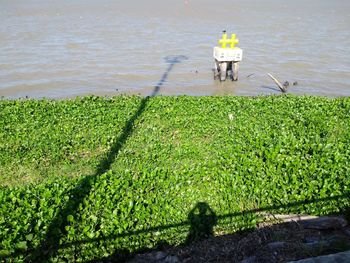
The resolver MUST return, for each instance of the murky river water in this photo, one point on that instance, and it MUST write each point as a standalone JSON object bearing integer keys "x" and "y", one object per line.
{"x": 65, "y": 48}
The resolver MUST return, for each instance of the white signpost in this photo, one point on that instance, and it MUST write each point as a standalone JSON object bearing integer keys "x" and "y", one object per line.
{"x": 227, "y": 58}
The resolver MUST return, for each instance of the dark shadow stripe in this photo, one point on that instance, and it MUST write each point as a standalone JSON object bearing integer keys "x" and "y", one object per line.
{"x": 56, "y": 229}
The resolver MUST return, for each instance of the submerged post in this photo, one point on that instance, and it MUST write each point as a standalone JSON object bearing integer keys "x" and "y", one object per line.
{"x": 227, "y": 58}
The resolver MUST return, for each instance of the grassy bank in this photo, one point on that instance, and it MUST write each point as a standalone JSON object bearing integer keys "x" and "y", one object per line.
{"x": 95, "y": 178}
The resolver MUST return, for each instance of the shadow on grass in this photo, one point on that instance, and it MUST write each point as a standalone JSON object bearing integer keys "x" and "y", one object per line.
{"x": 201, "y": 221}
{"x": 279, "y": 242}
{"x": 56, "y": 229}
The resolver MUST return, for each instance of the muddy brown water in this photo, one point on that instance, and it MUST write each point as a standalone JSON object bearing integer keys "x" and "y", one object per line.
{"x": 62, "y": 48}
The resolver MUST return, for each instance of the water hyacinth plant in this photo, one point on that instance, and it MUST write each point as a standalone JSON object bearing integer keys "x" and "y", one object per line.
{"x": 92, "y": 178}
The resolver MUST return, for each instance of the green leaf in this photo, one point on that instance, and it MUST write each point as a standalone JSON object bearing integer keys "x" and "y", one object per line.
{"x": 22, "y": 245}
{"x": 29, "y": 237}
{"x": 70, "y": 218}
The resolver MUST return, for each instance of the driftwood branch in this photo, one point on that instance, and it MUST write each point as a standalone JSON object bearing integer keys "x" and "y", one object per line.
{"x": 277, "y": 83}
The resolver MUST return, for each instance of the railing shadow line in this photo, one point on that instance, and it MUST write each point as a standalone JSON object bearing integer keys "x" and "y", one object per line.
{"x": 125, "y": 254}
{"x": 218, "y": 217}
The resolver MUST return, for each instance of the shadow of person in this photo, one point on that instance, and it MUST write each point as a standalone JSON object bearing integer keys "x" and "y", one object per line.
{"x": 202, "y": 220}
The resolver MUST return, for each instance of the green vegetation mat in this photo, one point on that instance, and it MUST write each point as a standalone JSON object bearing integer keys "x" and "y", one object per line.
{"x": 94, "y": 178}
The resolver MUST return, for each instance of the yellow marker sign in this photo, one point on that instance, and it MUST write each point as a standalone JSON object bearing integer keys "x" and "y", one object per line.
{"x": 234, "y": 41}
{"x": 224, "y": 41}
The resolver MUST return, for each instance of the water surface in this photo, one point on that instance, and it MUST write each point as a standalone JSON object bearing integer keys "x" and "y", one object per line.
{"x": 62, "y": 48}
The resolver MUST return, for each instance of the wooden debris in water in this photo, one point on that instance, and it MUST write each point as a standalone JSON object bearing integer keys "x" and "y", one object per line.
{"x": 277, "y": 83}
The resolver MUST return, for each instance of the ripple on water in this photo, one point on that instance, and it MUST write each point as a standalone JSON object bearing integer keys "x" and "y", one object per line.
{"x": 64, "y": 48}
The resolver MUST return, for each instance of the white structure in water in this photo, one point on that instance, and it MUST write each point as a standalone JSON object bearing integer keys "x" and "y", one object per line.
{"x": 227, "y": 58}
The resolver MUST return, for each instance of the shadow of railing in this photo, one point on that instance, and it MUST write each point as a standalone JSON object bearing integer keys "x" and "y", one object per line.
{"x": 56, "y": 229}
{"x": 121, "y": 255}
{"x": 217, "y": 218}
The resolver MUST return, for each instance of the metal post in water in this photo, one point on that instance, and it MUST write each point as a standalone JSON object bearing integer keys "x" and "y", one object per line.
{"x": 227, "y": 58}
